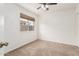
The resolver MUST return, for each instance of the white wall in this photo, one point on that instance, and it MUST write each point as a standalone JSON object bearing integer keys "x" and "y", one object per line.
{"x": 59, "y": 26}
{"x": 13, "y": 35}
{"x": 1, "y": 23}
{"x": 77, "y": 11}
{"x": 1, "y": 28}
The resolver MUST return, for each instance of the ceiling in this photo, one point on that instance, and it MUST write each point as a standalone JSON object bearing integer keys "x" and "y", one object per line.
{"x": 60, "y": 6}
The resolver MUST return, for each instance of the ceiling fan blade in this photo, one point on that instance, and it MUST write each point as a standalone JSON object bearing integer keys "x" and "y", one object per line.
{"x": 39, "y": 7}
{"x": 48, "y": 3}
{"x": 51, "y": 3}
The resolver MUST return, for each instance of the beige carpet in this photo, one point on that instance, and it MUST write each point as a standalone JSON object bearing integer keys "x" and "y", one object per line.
{"x": 45, "y": 48}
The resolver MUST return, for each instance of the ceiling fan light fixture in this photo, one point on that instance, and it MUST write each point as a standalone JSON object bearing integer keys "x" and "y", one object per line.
{"x": 44, "y": 7}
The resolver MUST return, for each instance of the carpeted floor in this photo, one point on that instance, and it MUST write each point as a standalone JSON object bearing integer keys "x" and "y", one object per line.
{"x": 45, "y": 48}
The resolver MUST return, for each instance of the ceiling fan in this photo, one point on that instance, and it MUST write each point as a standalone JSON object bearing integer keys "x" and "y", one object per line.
{"x": 45, "y": 5}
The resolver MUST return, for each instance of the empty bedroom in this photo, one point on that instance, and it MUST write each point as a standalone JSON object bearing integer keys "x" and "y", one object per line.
{"x": 39, "y": 29}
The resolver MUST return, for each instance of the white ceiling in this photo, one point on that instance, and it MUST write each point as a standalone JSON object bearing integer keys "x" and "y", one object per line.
{"x": 60, "y": 6}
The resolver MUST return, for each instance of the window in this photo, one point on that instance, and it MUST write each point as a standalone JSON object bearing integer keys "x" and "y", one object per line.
{"x": 26, "y": 23}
